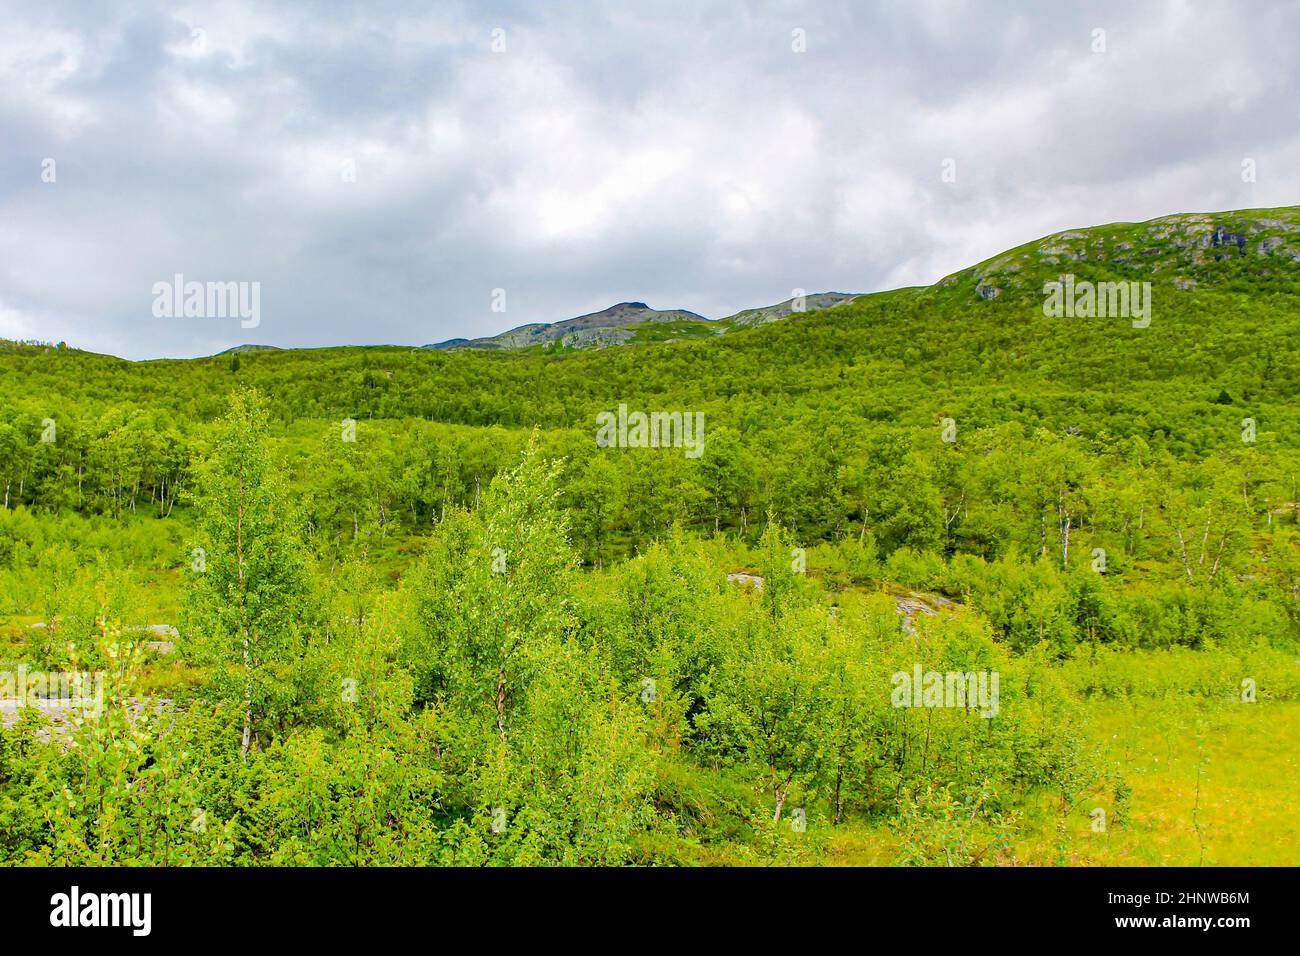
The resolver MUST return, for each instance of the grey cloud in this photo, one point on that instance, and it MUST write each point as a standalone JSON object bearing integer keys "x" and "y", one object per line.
{"x": 678, "y": 154}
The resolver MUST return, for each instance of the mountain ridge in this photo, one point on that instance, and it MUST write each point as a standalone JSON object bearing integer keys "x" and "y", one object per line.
{"x": 1178, "y": 249}
{"x": 1255, "y": 247}
{"x": 619, "y": 324}
{"x": 581, "y": 329}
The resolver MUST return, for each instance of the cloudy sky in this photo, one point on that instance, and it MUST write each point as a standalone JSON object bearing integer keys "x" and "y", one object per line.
{"x": 381, "y": 168}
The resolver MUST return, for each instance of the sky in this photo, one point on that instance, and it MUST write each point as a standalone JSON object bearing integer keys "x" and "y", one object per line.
{"x": 393, "y": 173}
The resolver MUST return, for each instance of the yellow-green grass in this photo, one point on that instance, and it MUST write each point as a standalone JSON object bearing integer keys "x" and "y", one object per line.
{"x": 1248, "y": 810}
{"x": 1245, "y": 760}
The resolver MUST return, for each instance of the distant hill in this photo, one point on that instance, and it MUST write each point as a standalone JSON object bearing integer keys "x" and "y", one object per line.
{"x": 1201, "y": 266}
{"x": 250, "y": 348}
{"x": 611, "y": 326}
{"x": 628, "y": 322}
{"x": 782, "y": 310}
{"x": 1252, "y": 248}
{"x": 848, "y": 421}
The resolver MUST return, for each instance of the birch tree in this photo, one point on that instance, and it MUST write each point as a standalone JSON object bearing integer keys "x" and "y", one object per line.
{"x": 247, "y": 599}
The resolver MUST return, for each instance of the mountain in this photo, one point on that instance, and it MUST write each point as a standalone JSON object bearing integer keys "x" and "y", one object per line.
{"x": 1249, "y": 247}
{"x": 636, "y": 322}
{"x": 1253, "y": 249}
{"x": 958, "y": 416}
{"x": 612, "y": 326}
{"x": 241, "y": 349}
{"x": 986, "y": 319}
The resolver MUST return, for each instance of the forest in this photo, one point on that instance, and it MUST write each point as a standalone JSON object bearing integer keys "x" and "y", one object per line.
{"x": 403, "y": 606}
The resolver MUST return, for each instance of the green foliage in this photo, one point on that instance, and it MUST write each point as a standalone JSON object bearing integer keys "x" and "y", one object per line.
{"x": 938, "y": 829}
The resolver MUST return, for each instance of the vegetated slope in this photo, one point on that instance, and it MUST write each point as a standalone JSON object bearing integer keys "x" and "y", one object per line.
{"x": 1254, "y": 250}
{"x": 833, "y": 421}
{"x": 1224, "y": 318}
{"x": 239, "y": 349}
{"x": 783, "y": 310}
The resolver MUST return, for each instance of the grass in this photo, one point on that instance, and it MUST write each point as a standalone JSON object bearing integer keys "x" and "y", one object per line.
{"x": 1245, "y": 758}
{"x": 1248, "y": 810}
